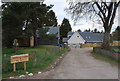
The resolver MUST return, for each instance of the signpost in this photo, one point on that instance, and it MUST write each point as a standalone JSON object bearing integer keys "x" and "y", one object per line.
{"x": 19, "y": 58}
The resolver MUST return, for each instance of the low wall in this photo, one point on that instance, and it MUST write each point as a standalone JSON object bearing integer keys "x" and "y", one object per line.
{"x": 114, "y": 43}
{"x": 91, "y": 45}
{"x": 108, "y": 53}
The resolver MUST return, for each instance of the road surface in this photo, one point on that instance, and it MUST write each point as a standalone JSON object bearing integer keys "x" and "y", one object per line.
{"x": 78, "y": 64}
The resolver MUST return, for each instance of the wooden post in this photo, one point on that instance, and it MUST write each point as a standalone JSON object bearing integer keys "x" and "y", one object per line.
{"x": 5, "y": 62}
{"x": 45, "y": 53}
{"x": 51, "y": 51}
{"x": 14, "y": 67}
{"x": 34, "y": 59}
{"x": 54, "y": 50}
{"x": 25, "y": 65}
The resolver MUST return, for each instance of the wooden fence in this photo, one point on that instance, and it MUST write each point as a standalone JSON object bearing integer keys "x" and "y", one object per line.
{"x": 91, "y": 45}
{"x": 115, "y": 43}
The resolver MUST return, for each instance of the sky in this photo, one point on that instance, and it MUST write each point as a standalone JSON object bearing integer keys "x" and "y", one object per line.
{"x": 60, "y": 5}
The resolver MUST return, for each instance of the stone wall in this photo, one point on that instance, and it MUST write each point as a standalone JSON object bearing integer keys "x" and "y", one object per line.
{"x": 108, "y": 53}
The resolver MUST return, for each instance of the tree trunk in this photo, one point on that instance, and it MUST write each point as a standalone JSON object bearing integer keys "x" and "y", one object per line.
{"x": 106, "y": 40}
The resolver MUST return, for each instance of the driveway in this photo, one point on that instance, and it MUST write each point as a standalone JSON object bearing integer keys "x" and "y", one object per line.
{"x": 78, "y": 64}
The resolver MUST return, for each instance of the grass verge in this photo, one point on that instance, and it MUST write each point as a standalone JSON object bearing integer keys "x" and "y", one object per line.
{"x": 117, "y": 51}
{"x": 112, "y": 61}
{"x": 52, "y": 53}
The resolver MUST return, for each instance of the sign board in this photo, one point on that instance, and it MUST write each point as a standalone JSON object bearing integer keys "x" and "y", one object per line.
{"x": 19, "y": 58}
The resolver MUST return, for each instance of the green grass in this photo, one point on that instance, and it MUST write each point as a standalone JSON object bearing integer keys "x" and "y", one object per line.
{"x": 113, "y": 62}
{"x": 117, "y": 50}
{"x": 41, "y": 64}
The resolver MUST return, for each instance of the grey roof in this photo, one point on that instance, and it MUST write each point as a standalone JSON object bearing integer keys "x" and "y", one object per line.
{"x": 51, "y": 30}
{"x": 90, "y": 37}
{"x": 64, "y": 39}
{"x": 54, "y": 30}
{"x": 70, "y": 33}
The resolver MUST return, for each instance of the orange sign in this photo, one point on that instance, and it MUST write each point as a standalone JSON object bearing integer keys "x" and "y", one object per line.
{"x": 19, "y": 58}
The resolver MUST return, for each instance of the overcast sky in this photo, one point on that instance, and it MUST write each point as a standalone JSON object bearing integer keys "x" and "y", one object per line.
{"x": 58, "y": 8}
{"x": 60, "y": 5}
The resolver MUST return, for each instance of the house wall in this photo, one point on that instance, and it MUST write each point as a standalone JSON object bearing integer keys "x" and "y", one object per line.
{"x": 47, "y": 42}
{"x": 75, "y": 40}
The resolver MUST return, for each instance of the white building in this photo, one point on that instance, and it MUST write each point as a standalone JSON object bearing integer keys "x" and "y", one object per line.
{"x": 75, "y": 39}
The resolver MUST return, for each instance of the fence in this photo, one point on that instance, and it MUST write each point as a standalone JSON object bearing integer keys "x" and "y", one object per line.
{"x": 91, "y": 45}
{"x": 115, "y": 43}
{"x": 108, "y": 53}
{"x": 36, "y": 60}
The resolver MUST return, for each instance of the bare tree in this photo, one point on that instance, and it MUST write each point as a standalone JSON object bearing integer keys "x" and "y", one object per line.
{"x": 105, "y": 11}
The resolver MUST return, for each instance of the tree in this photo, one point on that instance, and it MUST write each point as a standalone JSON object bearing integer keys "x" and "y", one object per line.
{"x": 51, "y": 19}
{"x": 16, "y": 16}
{"x": 64, "y": 28}
{"x": 11, "y": 23}
{"x": 87, "y": 30}
{"x": 79, "y": 30}
{"x": 44, "y": 36}
{"x": 101, "y": 31}
{"x": 105, "y": 11}
{"x": 95, "y": 30}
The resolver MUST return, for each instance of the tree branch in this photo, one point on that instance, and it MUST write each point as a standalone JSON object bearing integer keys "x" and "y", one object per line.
{"x": 105, "y": 4}
{"x": 101, "y": 18}
{"x": 118, "y": 3}
{"x": 113, "y": 14}
{"x": 100, "y": 10}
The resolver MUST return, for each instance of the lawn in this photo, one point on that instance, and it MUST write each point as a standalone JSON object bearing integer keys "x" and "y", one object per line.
{"x": 52, "y": 53}
{"x": 113, "y": 62}
{"x": 117, "y": 51}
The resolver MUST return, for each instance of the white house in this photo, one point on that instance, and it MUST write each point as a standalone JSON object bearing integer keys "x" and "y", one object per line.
{"x": 75, "y": 39}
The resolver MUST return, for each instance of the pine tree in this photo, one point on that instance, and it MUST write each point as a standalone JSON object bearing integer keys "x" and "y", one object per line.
{"x": 65, "y": 28}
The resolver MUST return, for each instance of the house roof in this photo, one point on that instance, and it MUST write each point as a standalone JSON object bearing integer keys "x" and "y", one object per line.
{"x": 70, "y": 33}
{"x": 90, "y": 37}
{"x": 52, "y": 30}
{"x": 64, "y": 39}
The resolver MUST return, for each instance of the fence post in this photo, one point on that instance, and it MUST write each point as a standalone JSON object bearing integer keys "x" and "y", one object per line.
{"x": 50, "y": 51}
{"x": 45, "y": 53}
{"x": 34, "y": 59}
{"x": 5, "y": 62}
{"x": 55, "y": 50}
{"x": 59, "y": 49}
